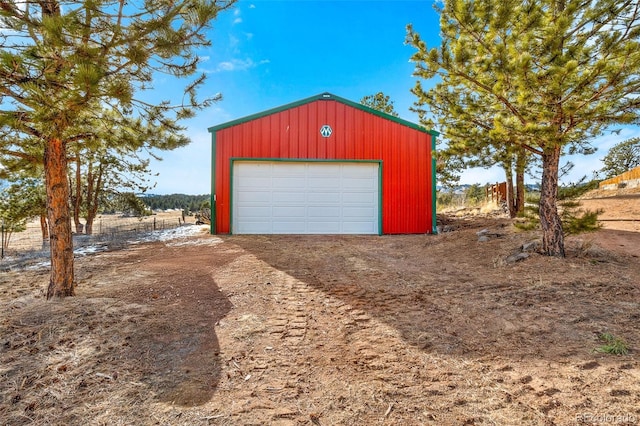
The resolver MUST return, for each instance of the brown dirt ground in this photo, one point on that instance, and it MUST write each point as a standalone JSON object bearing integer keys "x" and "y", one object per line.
{"x": 329, "y": 330}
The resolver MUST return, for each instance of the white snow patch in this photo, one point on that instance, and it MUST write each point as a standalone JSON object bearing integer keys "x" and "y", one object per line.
{"x": 83, "y": 251}
{"x": 172, "y": 234}
{"x": 201, "y": 242}
{"x": 181, "y": 233}
{"x": 80, "y": 251}
{"x": 38, "y": 265}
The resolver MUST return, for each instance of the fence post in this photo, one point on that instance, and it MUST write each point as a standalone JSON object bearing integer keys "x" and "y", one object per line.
{"x": 2, "y": 240}
{"x": 154, "y": 224}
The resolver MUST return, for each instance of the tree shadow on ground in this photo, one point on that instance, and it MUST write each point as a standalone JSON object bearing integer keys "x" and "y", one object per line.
{"x": 453, "y": 295}
{"x": 175, "y": 342}
{"x": 139, "y": 331}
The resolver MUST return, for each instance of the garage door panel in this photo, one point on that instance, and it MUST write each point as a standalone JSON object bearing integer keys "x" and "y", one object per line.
{"x": 258, "y": 171}
{"x": 324, "y": 227}
{"x": 289, "y": 227}
{"x": 290, "y": 169}
{"x": 365, "y": 170}
{"x": 324, "y": 170}
{"x": 363, "y": 212}
{"x": 249, "y": 227}
{"x": 324, "y": 197}
{"x": 357, "y": 184}
{"x": 359, "y": 197}
{"x": 291, "y": 212}
{"x": 358, "y": 228}
{"x": 288, "y": 182}
{"x": 289, "y": 197}
{"x": 323, "y": 182}
{"x": 324, "y": 212}
{"x": 253, "y": 211}
{"x": 305, "y": 198}
{"x": 253, "y": 182}
{"x": 253, "y": 197}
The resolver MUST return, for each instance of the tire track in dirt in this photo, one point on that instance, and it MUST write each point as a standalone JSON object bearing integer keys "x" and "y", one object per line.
{"x": 336, "y": 330}
{"x": 398, "y": 325}
{"x": 287, "y": 342}
{"x": 264, "y": 344}
{"x": 289, "y": 356}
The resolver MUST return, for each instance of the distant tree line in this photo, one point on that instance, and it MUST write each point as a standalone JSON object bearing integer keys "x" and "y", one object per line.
{"x": 188, "y": 203}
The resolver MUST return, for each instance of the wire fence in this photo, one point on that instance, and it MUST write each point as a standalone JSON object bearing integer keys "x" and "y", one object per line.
{"x": 107, "y": 229}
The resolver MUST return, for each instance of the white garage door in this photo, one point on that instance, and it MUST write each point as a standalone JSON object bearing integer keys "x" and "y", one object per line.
{"x": 305, "y": 198}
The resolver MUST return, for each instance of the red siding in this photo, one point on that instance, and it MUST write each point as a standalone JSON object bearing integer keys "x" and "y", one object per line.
{"x": 357, "y": 135}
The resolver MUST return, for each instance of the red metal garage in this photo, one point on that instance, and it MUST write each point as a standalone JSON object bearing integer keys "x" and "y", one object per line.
{"x": 322, "y": 165}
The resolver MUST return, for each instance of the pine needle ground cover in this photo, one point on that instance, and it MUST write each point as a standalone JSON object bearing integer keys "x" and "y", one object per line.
{"x": 335, "y": 330}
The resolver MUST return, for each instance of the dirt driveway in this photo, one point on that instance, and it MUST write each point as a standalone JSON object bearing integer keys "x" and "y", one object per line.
{"x": 320, "y": 330}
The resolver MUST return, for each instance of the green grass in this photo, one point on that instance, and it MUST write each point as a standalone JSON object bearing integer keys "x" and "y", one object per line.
{"x": 612, "y": 345}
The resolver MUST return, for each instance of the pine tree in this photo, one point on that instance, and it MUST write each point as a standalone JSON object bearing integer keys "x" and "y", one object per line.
{"x": 21, "y": 200}
{"x": 380, "y": 102}
{"x": 554, "y": 73}
{"x": 465, "y": 122}
{"x": 622, "y": 157}
{"x": 108, "y": 164}
{"x": 63, "y": 62}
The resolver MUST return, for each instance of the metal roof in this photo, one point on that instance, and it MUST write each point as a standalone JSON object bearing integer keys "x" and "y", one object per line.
{"x": 321, "y": 97}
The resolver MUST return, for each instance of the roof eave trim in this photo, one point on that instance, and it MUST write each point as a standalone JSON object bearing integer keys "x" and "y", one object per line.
{"x": 321, "y": 97}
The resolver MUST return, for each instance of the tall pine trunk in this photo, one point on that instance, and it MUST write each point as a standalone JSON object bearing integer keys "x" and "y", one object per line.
{"x": 77, "y": 198}
{"x": 521, "y": 165}
{"x": 94, "y": 184}
{"x": 510, "y": 198}
{"x": 518, "y": 205}
{"x": 552, "y": 235}
{"x": 44, "y": 227}
{"x": 92, "y": 212}
{"x": 61, "y": 282}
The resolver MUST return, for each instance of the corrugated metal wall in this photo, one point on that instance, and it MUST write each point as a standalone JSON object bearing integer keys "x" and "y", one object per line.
{"x": 357, "y": 135}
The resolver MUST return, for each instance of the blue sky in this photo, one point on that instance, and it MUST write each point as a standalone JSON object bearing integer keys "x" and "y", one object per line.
{"x": 268, "y": 53}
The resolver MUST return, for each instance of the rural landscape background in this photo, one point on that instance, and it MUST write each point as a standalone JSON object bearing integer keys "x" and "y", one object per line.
{"x": 182, "y": 327}
{"x": 522, "y": 311}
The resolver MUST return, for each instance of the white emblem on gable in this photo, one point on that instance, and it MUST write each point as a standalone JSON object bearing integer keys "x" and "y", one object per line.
{"x": 326, "y": 131}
